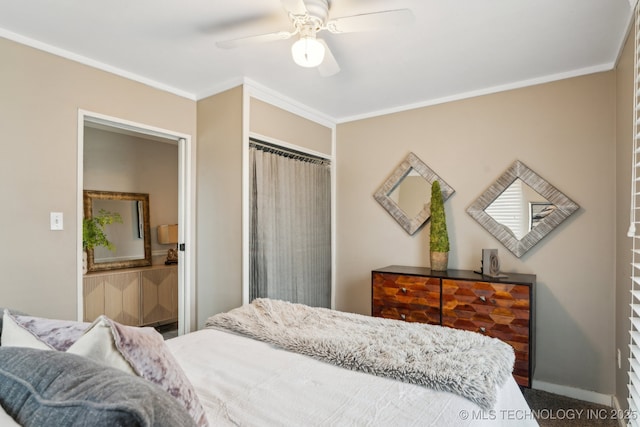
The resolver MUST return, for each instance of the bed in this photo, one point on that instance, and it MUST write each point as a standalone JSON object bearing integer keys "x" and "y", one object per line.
{"x": 288, "y": 389}
{"x": 249, "y": 380}
{"x": 253, "y": 380}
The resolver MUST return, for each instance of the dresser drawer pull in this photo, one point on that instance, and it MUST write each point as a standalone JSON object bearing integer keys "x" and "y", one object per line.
{"x": 404, "y": 290}
{"x": 403, "y": 316}
{"x": 483, "y": 299}
{"x": 483, "y": 329}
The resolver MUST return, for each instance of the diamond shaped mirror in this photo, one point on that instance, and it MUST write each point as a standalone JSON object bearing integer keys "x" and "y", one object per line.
{"x": 521, "y": 208}
{"x": 406, "y": 194}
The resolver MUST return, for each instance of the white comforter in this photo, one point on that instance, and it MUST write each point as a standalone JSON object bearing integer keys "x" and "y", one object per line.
{"x": 243, "y": 382}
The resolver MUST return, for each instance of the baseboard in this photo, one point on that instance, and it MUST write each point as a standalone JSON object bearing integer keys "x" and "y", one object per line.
{"x": 575, "y": 393}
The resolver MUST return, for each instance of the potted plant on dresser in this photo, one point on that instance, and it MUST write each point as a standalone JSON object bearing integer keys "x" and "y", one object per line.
{"x": 93, "y": 233}
{"x": 438, "y": 237}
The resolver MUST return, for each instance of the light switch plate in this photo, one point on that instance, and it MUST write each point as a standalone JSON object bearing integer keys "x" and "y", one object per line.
{"x": 56, "y": 221}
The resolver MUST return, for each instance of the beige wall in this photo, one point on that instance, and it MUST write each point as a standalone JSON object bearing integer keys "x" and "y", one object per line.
{"x": 565, "y": 131}
{"x": 219, "y": 211}
{"x": 41, "y": 95}
{"x": 269, "y": 120}
{"x": 624, "y": 144}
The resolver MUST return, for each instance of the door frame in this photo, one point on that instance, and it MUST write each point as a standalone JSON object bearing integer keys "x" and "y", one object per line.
{"x": 186, "y": 209}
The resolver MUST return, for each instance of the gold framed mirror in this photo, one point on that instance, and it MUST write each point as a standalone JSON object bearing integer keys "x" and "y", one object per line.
{"x": 406, "y": 194}
{"x": 131, "y": 237}
{"x": 520, "y": 208}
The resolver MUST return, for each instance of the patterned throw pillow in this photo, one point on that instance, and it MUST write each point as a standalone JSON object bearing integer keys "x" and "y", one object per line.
{"x": 135, "y": 350}
{"x": 146, "y": 351}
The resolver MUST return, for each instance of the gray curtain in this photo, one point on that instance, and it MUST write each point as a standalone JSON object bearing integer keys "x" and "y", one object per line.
{"x": 290, "y": 227}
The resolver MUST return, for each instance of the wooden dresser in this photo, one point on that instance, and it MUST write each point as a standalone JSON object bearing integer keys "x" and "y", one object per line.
{"x": 501, "y": 308}
{"x": 133, "y": 296}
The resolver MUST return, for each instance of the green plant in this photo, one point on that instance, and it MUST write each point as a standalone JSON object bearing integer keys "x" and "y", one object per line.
{"x": 93, "y": 229}
{"x": 438, "y": 237}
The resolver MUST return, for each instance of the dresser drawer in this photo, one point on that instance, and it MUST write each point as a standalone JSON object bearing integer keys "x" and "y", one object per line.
{"x": 495, "y": 309}
{"x": 404, "y": 297}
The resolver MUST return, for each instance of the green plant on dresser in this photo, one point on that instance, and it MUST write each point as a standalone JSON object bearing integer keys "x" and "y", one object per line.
{"x": 438, "y": 237}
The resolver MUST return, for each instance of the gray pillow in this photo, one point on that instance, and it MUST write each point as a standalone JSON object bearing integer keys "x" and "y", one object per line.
{"x": 39, "y": 388}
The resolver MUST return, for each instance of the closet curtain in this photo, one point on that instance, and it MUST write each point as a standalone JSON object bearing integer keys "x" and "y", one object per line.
{"x": 290, "y": 227}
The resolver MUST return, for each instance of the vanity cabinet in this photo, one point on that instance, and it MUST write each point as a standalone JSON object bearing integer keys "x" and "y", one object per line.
{"x": 134, "y": 296}
{"x": 461, "y": 299}
{"x": 159, "y": 302}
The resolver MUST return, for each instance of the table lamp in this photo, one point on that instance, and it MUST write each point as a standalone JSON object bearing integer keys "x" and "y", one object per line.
{"x": 168, "y": 235}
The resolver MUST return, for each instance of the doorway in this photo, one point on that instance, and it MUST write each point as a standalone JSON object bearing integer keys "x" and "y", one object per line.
{"x": 180, "y": 198}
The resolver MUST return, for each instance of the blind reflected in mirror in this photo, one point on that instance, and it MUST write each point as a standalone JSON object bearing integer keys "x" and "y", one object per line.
{"x": 519, "y": 208}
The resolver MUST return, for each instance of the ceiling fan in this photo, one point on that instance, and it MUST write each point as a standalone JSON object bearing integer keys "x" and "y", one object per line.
{"x": 308, "y": 17}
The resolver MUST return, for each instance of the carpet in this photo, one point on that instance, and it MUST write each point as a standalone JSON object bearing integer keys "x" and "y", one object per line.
{"x": 553, "y": 410}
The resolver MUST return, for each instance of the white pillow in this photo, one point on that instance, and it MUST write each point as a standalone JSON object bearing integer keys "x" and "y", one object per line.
{"x": 97, "y": 344}
{"x": 6, "y": 420}
{"x": 14, "y": 335}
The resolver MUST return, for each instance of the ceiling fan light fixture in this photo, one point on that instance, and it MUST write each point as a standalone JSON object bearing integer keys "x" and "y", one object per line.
{"x": 307, "y": 52}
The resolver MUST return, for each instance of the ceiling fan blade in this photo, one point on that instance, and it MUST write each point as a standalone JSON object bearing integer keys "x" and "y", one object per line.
{"x": 262, "y": 38}
{"x": 294, "y": 7}
{"x": 370, "y": 21}
{"x": 329, "y": 65}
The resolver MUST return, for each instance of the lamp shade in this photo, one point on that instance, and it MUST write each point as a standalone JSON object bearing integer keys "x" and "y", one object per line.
{"x": 168, "y": 234}
{"x": 307, "y": 52}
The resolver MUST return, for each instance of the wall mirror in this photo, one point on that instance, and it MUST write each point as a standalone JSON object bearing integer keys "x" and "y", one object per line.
{"x": 406, "y": 194}
{"x": 131, "y": 238}
{"x": 520, "y": 208}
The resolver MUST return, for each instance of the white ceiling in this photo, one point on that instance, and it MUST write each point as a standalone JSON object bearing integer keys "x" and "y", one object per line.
{"x": 454, "y": 49}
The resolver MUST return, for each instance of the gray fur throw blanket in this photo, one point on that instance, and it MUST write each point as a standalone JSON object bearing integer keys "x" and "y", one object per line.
{"x": 466, "y": 363}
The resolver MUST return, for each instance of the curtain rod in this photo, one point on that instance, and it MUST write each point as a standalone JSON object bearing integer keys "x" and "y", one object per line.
{"x": 288, "y": 152}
